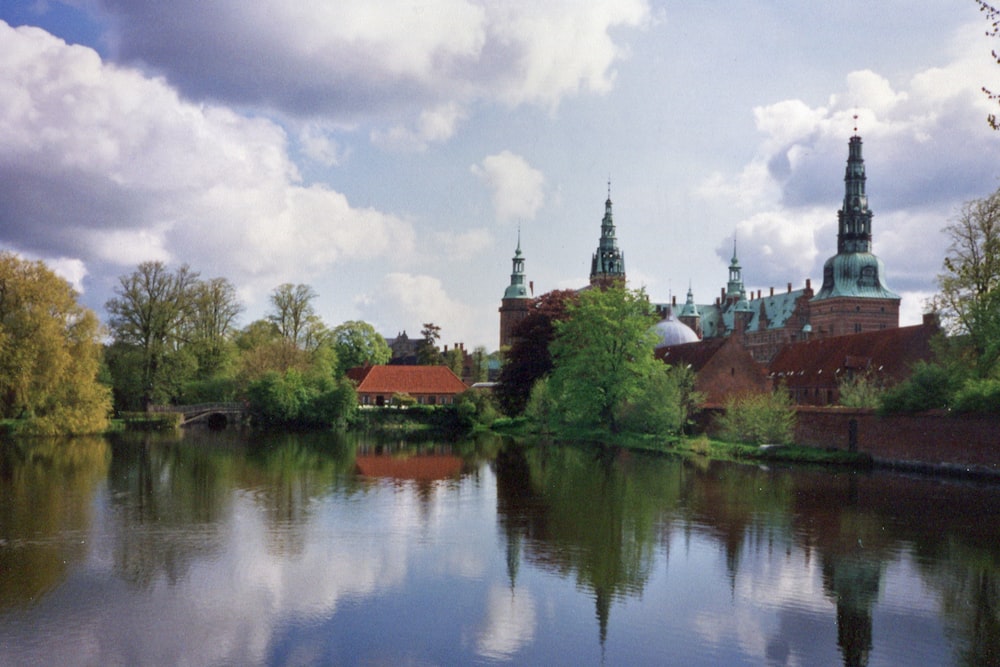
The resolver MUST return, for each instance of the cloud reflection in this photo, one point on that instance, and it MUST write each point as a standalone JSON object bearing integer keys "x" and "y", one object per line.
{"x": 510, "y": 623}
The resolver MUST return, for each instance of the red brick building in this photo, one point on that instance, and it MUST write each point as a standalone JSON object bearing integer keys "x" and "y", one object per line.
{"x": 429, "y": 385}
{"x": 723, "y": 367}
{"x": 813, "y": 370}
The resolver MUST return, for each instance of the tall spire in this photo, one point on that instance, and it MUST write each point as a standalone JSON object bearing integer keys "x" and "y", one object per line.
{"x": 854, "y": 217}
{"x": 517, "y": 289}
{"x": 735, "y": 286}
{"x": 608, "y": 263}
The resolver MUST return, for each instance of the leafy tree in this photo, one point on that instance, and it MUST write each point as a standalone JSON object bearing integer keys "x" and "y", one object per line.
{"x": 929, "y": 387}
{"x": 480, "y": 364}
{"x": 529, "y": 359}
{"x": 860, "y": 390}
{"x": 969, "y": 299}
{"x": 49, "y": 353}
{"x": 603, "y": 356}
{"x": 993, "y": 16}
{"x": 358, "y": 344}
{"x": 428, "y": 353}
{"x": 662, "y": 403}
{"x": 454, "y": 359}
{"x": 762, "y": 417}
{"x": 210, "y": 328}
{"x": 295, "y": 316}
{"x": 150, "y": 312}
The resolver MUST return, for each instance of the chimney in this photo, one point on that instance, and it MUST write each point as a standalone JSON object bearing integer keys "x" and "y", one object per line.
{"x": 772, "y": 291}
{"x": 809, "y": 284}
{"x": 722, "y": 294}
{"x": 758, "y": 294}
{"x": 445, "y": 347}
{"x": 673, "y": 301}
{"x": 789, "y": 288}
{"x": 531, "y": 287}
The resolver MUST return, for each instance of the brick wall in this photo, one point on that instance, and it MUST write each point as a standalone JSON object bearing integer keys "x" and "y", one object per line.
{"x": 926, "y": 440}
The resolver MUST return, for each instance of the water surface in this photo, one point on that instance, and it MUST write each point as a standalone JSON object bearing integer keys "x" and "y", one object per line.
{"x": 230, "y": 548}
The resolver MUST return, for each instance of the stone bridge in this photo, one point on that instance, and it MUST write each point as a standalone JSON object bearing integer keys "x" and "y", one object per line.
{"x": 213, "y": 414}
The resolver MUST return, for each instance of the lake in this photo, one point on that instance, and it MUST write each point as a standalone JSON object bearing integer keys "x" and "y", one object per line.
{"x": 240, "y": 548}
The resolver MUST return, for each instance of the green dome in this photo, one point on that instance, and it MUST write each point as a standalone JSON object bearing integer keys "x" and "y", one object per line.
{"x": 856, "y": 274}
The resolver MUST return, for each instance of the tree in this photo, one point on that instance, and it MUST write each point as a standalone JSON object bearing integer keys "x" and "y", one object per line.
{"x": 428, "y": 353}
{"x": 529, "y": 359}
{"x": 358, "y": 344}
{"x": 150, "y": 312}
{"x": 480, "y": 364}
{"x": 969, "y": 299}
{"x": 603, "y": 356}
{"x": 993, "y": 16}
{"x": 49, "y": 353}
{"x": 214, "y": 309}
{"x": 295, "y": 317}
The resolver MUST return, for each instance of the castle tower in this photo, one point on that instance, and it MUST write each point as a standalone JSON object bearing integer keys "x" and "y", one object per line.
{"x": 690, "y": 315}
{"x": 607, "y": 266}
{"x": 854, "y": 296}
{"x": 517, "y": 296}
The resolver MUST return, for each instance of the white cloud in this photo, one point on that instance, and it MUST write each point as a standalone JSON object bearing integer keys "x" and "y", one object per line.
{"x": 433, "y": 126}
{"x": 101, "y": 164}
{"x": 518, "y": 188}
{"x": 404, "y": 299}
{"x": 463, "y": 246}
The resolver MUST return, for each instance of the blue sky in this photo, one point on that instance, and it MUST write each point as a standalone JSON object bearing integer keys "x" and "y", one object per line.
{"x": 387, "y": 153}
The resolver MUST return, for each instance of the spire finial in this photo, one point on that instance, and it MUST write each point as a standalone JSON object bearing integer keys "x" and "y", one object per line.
{"x": 855, "y": 124}
{"x": 609, "y": 186}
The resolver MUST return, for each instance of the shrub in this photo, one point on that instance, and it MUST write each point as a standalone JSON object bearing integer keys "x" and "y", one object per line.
{"x": 931, "y": 386}
{"x": 541, "y": 407}
{"x": 758, "y": 418}
{"x": 860, "y": 391}
{"x": 978, "y": 397}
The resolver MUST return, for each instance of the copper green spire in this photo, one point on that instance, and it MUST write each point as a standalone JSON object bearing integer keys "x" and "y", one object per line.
{"x": 517, "y": 289}
{"x": 608, "y": 263}
{"x": 854, "y": 217}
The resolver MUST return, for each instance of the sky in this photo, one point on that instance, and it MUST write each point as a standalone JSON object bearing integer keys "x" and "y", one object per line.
{"x": 390, "y": 154}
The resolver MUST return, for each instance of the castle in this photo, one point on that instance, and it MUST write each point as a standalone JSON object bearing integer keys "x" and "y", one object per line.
{"x": 853, "y": 298}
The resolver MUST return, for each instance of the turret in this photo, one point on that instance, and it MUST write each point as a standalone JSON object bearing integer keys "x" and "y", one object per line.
{"x": 607, "y": 266}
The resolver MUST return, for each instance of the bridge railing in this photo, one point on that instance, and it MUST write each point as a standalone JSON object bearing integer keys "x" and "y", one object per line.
{"x": 198, "y": 408}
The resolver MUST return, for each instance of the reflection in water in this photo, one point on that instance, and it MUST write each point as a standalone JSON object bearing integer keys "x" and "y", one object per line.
{"x": 326, "y": 549}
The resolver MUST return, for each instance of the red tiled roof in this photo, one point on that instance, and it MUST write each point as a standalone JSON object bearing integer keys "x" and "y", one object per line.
{"x": 695, "y": 355}
{"x": 413, "y": 380}
{"x": 888, "y": 352}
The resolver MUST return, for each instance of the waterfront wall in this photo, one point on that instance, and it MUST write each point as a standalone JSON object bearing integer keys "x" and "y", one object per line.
{"x": 928, "y": 440}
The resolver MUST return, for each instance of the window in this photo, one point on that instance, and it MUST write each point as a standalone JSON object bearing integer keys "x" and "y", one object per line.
{"x": 857, "y": 327}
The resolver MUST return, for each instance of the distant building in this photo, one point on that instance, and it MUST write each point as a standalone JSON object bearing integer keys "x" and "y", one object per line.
{"x": 853, "y": 299}
{"x": 516, "y": 298}
{"x": 723, "y": 367}
{"x": 429, "y": 385}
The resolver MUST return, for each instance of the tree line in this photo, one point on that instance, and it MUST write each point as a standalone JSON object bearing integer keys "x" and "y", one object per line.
{"x": 580, "y": 360}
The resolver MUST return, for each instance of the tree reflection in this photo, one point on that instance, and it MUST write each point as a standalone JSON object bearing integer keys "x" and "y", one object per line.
{"x": 46, "y": 492}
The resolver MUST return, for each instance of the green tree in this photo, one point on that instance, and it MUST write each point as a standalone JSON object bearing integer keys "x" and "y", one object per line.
{"x": 294, "y": 315}
{"x": 358, "y": 344}
{"x": 150, "y": 312}
{"x": 603, "y": 356}
{"x": 761, "y": 417}
{"x": 454, "y": 359}
{"x": 428, "y": 353}
{"x": 969, "y": 300}
{"x": 480, "y": 364}
{"x": 50, "y": 353}
{"x": 211, "y": 325}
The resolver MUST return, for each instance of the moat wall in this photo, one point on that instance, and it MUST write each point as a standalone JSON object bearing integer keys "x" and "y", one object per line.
{"x": 925, "y": 441}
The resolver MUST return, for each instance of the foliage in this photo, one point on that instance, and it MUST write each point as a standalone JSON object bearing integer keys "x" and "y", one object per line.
{"x": 476, "y": 408}
{"x": 978, "y": 396}
{"x": 541, "y": 409}
{"x": 212, "y": 390}
{"x": 402, "y": 399}
{"x": 454, "y": 359}
{"x": 294, "y": 316}
{"x": 295, "y": 399}
{"x": 209, "y": 329}
{"x": 860, "y": 390}
{"x": 930, "y": 386}
{"x": 149, "y": 313}
{"x": 662, "y": 402}
{"x": 529, "y": 359}
{"x": 480, "y": 364}
{"x": 428, "y": 353}
{"x": 761, "y": 417}
{"x": 993, "y": 16}
{"x": 49, "y": 353}
{"x": 969, "y": 299}
{"x": 358, "y": 344}
{"x": 603, "y": 356}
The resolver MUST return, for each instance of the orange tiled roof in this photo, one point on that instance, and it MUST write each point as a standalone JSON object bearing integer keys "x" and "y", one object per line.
{"x": 413, "y": 380}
